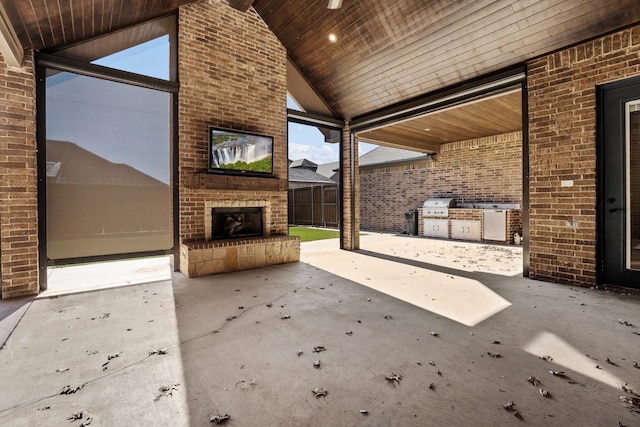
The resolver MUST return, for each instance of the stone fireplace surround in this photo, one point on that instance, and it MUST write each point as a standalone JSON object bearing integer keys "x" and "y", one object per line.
{"x": 206, "y": 257}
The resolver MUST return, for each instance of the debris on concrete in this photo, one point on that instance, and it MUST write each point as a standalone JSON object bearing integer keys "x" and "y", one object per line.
{"x": 432, "y": 363}
{"x": 635, "y": 365}
{"x": 438, "y": 372}
{"x": 388, "y": 317}
{"x": 159, "y": 352}
{"x": 349, "y": 333}
{"x": 285, "y": 317}
{"x": 547, "y": 358}
{"x": 496, "y": 342}
{"x": 61, "y": 370}
{"x": 544, "y": 393}
{"x": 534, "y": 380}
{"x": 165, "y": 391}
{"x": 631, "y": 403}
{"x": 432, "y": 386}
{"x": 104, "y": 316}
{"x": 556, "y": 373}
{"x": 219, "y": 419}
{"x": 494, "y": 355}
{"x": 611, "y": 363}
{"x": 75, "y": 417}
{"x": 69, "y": 390}
{"x": 368, "y": 299}
{"x": 624, "y": 322}
{"x": 625, "y": 387}
{"x": 511, "y": 408}
{"x": 46, "y": 408}
{"x": 394, "y": 377}
{"x": 434, "y": 334}
{"x": 230, "y": 318}
{"x": 270, "y": 305}
{"x": 319, "y": 348}
{"x": 113, "y": 356}
{"x": 316, "y": 364}
{"x": 364, "y": 412}
{"x": 300, "y": 353}
{"x": 320, "y": 392}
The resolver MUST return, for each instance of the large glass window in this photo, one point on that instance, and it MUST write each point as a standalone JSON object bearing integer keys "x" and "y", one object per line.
{"x": 108, "y": 168}
{"x": 108, "y": 143}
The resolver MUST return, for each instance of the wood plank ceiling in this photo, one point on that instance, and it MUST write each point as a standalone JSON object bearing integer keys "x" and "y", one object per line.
{"x": 41, "y": 24}
{"x": 387, "y": 51}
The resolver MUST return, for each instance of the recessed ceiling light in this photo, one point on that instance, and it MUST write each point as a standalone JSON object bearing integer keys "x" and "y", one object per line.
{"x": 333, "y": 38}
{"x": 334, "y": 4}
{"x": 427, "y": 129}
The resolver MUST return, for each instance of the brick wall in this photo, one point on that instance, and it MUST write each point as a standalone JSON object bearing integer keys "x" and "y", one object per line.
{"x": 475, "y": 171}
{"x": 562, "y": 128}
{"x": 350, "y": 222}
{"x": 232, "y": 73}
{"x": 18, "y": 182}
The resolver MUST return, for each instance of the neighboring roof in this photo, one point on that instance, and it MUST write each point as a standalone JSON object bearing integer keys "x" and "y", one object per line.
{"x": 67, "y": 163}
{"x": 303, "y": 163}
{"x": 329, "y": 170}
{"x": 308, "y": 176}
{"x": 383, "y": 155}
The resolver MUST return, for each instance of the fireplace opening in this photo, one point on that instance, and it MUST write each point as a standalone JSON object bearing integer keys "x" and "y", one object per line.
{"x": 234, "y": 223}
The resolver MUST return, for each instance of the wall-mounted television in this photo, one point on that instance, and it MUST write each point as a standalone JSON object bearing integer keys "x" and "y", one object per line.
{"x": 239, "y": 152}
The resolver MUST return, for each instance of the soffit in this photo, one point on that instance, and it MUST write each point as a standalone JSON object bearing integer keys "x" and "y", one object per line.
{"x": 42, "y": 24}
{"x": 480, "y": 118}
{"x": 390, "y": 51}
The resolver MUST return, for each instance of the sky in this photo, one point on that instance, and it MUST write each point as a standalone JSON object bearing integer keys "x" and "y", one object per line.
{"x": 93, "y": 98}
{"x": 307, "y": 142}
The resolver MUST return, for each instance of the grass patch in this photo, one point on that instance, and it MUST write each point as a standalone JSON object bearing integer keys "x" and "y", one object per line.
{"x": 307, "y": 234}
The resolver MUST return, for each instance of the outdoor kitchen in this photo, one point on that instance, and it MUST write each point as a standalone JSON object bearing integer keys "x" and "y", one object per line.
{"x": 487, "y": 222}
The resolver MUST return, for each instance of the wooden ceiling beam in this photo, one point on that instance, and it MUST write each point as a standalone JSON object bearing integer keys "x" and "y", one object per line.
{"x": 10, "y": 46}
{"x": 391, "y": 139}
{"x": 241, "y": 5}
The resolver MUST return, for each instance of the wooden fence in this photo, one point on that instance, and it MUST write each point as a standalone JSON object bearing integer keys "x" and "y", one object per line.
{"x": 317, "y": 206}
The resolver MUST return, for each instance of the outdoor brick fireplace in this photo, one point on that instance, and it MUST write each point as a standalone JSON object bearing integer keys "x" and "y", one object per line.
{"x": 236, "y": 223}
{"x": 236, "y": 219}
{"x": 237, "y": 237}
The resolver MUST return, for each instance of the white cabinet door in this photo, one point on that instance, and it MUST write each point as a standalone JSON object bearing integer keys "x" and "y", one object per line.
{"x": 465, "y": 230}
{"x": 436, "y": 228}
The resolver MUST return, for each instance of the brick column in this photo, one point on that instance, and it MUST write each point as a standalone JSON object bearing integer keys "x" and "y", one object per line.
{"x": 350, "y": 191}
{"x": 18, "y": 185}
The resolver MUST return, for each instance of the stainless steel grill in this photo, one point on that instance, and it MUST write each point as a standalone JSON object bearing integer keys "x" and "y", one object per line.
{"x": 437, "y": 207}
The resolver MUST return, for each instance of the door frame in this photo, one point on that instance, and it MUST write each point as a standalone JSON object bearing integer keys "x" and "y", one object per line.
{"x": 44, "y": 61}
{"x": 604, "y": 275}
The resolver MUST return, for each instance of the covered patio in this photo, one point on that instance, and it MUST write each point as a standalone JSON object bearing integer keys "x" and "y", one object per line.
{"x": 463, "y": 333}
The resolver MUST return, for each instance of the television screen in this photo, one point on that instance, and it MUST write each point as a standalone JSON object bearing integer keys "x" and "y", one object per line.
{"x": 232, "y": 151}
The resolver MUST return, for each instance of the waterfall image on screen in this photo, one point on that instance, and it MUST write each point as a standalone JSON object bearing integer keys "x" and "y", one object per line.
{"x": 240, "y": 152}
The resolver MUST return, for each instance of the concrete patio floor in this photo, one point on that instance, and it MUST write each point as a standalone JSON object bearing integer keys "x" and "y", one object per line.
{"x": 455, "y": 321}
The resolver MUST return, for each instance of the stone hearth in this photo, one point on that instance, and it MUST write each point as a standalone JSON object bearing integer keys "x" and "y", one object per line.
{"x": 220, "y": 255}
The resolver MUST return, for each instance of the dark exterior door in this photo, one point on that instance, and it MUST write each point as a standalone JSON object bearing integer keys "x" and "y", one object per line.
{"x": 619, "y": 182}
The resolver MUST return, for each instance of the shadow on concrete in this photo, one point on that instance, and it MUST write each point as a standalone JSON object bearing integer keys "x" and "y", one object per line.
{"x": 248, "y": 338}
{"x": 11, "y": 311}
{"x": 475, "y": 275}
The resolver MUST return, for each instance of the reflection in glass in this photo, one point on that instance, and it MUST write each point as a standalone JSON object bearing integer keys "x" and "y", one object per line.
{"x": 108, "y": 168}
{"x": 633, "y": 186}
